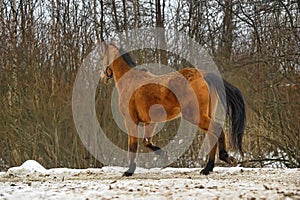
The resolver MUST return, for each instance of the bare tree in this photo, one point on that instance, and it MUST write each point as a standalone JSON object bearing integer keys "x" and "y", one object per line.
{"x": 254, "y": 43}
{"x": 162, "y": 54}
{"x": 227, "y": 31}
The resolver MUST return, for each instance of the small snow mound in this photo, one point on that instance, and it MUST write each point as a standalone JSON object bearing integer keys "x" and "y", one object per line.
{"x": 171, "y": 170}
{"x": 229, "y": 170}
{"x": 235, "y": 170}
{"x": 113, "y": 169}
{"x": 28, "y": 167}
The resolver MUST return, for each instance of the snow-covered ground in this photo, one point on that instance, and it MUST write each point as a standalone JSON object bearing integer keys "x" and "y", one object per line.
{"x": 33, "y": 181}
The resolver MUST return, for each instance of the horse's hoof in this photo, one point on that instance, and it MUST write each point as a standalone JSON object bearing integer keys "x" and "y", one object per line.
{"x": 127, "y": 173}
{"x": 204, "y": 171}
{"x": 159, "y": 152}
{"x": 131, "y": 170}
{"x": 232, "y": 161}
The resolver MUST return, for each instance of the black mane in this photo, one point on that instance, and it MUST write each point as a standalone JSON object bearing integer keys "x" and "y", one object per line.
{"x": 127, "y": 57}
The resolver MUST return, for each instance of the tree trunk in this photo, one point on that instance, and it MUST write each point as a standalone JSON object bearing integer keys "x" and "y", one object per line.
{"x": 14, "y": 86}
{"x": 125, "y": 28}
{"x": 162, "y": 54}
{"x": 115, "y": 15}
{"x": 102, "y": 20}
{"x": 53, "y": 38}
{"x": 136, "y": 13}
{"x": 96, "y": 23}
{"x": 227, "y": 33}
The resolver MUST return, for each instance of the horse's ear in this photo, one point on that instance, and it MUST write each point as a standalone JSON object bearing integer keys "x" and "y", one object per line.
{"x": 103, "y": 45}
{"x": 115, "y": 44}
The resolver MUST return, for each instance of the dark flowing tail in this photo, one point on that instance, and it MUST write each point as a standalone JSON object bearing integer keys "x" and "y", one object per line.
{"x": 231, "y": 97}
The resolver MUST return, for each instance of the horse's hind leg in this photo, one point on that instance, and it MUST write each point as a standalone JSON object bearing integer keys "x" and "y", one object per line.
{"x": 216, "y": 137}
{"x": 211, "y": 162}
{"x": 148, "y": 135}
{"x": 223, "y": 155}
{"x": 205, "y": 123}
{"x": 212, "y": 154}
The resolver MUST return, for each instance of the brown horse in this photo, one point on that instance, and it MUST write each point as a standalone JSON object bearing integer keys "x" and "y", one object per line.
{"x": 148, "y": 99}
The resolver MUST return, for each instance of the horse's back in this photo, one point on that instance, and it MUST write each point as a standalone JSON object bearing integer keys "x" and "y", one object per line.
{"x": 191, "y": 74}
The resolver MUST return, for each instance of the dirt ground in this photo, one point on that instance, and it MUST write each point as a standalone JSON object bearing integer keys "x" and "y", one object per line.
{"x": 168, "y": 183}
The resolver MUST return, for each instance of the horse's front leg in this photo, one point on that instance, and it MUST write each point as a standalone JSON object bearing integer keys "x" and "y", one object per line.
{"x": 132, "y": 131}
{"x": 132, "y": 149}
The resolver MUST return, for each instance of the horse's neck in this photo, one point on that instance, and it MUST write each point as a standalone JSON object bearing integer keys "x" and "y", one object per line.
{"x": 120, "y": 67}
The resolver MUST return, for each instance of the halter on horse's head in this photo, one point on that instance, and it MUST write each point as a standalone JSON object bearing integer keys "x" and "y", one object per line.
{"x": 111, "y": 52}
{"x": 107, "y": 60}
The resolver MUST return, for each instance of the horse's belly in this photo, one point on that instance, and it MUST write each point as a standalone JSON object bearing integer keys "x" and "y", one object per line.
{"x": 160, "y": 113}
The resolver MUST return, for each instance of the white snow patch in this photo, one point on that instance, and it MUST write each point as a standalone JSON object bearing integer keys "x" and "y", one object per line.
{"x": 33, "y": 181}
{"x": 28, "y": 167}
{"x": 179, "y": 170}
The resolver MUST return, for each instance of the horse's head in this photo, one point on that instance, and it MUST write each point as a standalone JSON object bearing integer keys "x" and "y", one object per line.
{"x": 109, "y": 53}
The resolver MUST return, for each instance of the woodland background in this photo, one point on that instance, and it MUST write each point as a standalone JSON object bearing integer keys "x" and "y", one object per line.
{"x": 255, "y": 43}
